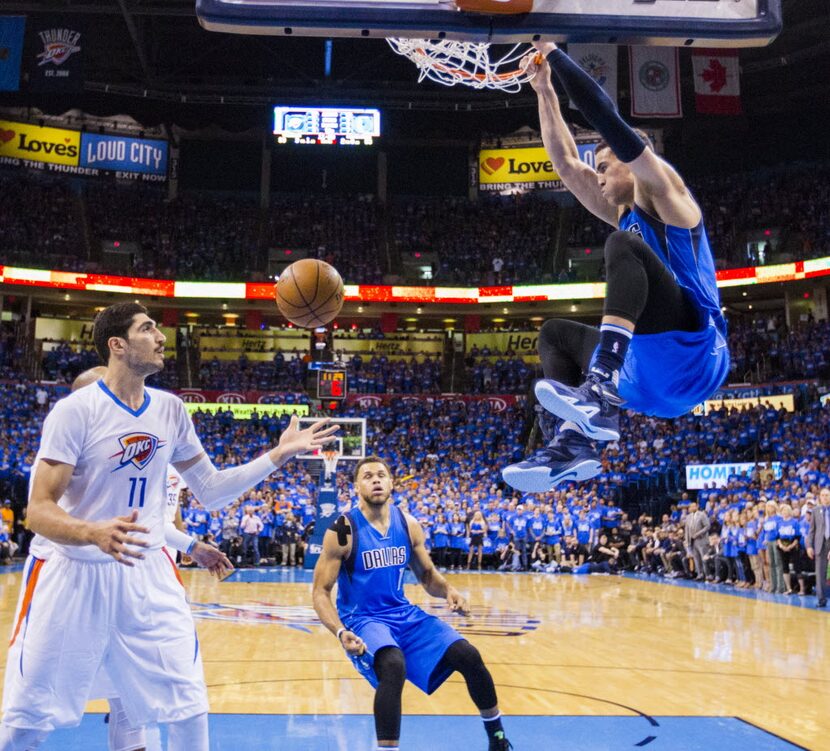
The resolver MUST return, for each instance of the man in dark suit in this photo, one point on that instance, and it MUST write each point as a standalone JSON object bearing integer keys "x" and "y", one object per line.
{"x": 818, "y": 543}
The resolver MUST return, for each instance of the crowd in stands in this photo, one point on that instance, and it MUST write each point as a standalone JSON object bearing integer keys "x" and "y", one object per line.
{"x": 197, "y": 236}
{"x": 491, "y": 372}
{"x": 283, "y": 373}
{"x": 763, "y": 349}
{"x": 344, "y": 232}
{"x": 40, "y": 222}
{"x": 795, "y": 203}
{"x": 380, "y": 375}
{"x": 768, "y": 350}
{"x": 498, "y": 240}
{"x": 447, "y": 454}
{"x": 11, "y": 351}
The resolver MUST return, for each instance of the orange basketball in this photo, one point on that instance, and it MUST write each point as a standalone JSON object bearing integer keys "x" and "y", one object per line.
{"x": 309, "y": 293}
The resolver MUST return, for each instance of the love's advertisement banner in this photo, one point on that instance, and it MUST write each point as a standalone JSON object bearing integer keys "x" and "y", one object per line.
{"x": 523, "y": 168}
{"x": 85, "y": 154}
{"x": 19, "y": 141}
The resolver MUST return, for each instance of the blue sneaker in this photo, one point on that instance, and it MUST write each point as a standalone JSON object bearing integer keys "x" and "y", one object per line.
{"x": 569, "y": 457}
{"x": 594, "y": 406}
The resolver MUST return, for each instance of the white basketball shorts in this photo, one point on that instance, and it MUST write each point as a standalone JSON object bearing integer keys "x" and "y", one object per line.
{"x": 77, "y": 619}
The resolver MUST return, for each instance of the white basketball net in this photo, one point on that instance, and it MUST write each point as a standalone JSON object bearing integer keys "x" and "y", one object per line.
{"x": 330, "y": 462}
{"x": 449, "y": 62}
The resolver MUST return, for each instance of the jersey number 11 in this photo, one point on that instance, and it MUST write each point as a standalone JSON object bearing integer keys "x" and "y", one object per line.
{"x": 137, "y": 484}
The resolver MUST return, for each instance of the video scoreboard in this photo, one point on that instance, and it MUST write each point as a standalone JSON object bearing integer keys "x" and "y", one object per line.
{"x": 326, "y": 125}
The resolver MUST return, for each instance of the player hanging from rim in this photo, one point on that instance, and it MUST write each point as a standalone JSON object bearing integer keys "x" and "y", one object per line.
{"x": 661, "y": 346}
{"x": 110, "y": 596}
{"x": 366, "y": 552}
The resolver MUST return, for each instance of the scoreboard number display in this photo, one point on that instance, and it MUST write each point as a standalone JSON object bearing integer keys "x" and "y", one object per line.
{"x": 331, "y": 384}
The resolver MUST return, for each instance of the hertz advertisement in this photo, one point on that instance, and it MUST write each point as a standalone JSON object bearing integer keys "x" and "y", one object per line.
{"x": 503, "y": 170}
{"x": 86, "y": 154}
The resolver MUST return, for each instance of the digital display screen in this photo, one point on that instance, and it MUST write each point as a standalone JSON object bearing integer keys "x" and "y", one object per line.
{"x": 326, "y": 125}
{"x": 331, "y": 384}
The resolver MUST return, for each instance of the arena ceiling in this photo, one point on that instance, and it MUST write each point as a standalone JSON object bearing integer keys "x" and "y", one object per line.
{"x": 151, "y": 58}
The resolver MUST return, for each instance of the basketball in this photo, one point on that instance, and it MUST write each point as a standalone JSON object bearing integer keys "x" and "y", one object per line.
{"x": 310, "y": 293}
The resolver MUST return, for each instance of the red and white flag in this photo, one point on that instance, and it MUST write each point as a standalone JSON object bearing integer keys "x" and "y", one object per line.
{"x": 600, "y": 62}
{"x": 655, "y": 83}
{"x": 717, "y": 81}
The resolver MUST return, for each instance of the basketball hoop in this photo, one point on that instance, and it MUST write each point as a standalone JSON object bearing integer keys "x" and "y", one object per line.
{"x": 449, "y": 62}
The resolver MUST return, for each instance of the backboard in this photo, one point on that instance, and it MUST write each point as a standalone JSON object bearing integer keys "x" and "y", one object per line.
{"x": 732, "y": 23}
{"x": 350, "y": 441}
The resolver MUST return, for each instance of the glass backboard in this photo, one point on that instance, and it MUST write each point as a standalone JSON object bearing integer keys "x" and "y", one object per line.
{"x": 733, "y": 23}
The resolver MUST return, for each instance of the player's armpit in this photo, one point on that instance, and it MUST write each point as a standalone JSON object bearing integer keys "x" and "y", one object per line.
{"x": 661, "y": 191}
{"x": 181, "y": 466}
{"x": 421, "y": 563}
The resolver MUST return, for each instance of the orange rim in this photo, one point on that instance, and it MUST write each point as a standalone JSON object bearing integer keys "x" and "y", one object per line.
{"x": 461, "y": 73}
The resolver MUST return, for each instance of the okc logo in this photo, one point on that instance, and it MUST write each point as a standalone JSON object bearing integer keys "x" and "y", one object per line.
{"x": 58, "y": 45}
{"x": 137, "y": 449}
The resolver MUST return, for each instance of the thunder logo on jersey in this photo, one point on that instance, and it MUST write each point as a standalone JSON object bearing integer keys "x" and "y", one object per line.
{"x": 137, "y": 449}
{"x": 384, "y": 557}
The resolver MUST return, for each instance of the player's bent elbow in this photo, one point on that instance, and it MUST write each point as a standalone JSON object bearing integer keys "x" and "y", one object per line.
{"x": 36, "y": 516}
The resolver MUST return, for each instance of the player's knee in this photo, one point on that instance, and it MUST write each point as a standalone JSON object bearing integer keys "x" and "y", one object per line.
{"x": 21, "y": 739}
{"x": 463, "y": 656}
{"x": 620, "y": 247}
{"x": 554, "y": 332}
{"x": 390, "y": 666}
{"x": 188, "y": 735}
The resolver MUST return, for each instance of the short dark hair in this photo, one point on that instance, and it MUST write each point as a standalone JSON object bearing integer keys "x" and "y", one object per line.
{"x": 113, "y": 321}
{"x": 603, "y": 144}
{"x": 371, "y": 459}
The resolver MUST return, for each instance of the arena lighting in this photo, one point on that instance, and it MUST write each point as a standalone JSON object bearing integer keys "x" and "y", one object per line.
{"x": 368, "y": 293}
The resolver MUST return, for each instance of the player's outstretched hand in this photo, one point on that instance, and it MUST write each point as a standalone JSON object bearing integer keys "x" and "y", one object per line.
{"x": 114, "y": 536}
{"x": 211, "y": 558}
{"x": 352, "y": 643}
{"x": 294, "y": 441}
{"x": 457, "y": 602}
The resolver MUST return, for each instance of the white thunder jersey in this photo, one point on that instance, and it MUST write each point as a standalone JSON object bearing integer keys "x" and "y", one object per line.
{"x": 120, "y": 456}
{"x": 175, "y": 485}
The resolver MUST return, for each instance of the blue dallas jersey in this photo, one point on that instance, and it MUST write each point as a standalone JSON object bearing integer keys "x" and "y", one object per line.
{"x": 371, "y": 578}
{"x": 668, "y": 374}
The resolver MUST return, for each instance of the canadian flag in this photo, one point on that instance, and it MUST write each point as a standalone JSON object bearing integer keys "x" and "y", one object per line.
{"x": 717, "y": 81}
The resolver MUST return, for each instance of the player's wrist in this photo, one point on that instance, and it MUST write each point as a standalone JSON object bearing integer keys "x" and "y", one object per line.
{"x": 89, "y": 534}
{"x": 342, "y": 630}
{"x": 278, "y": 456}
